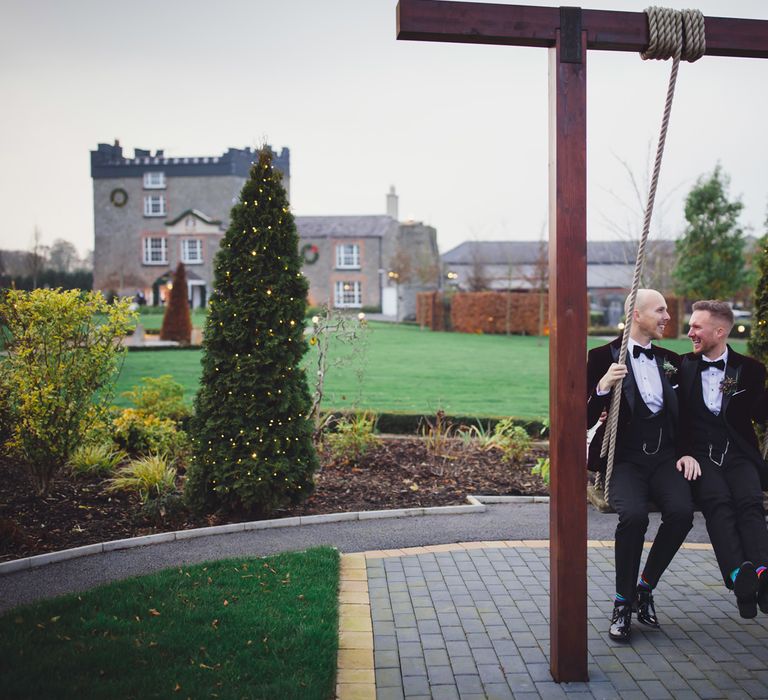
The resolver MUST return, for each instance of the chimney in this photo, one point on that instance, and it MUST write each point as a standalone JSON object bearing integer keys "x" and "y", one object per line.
{"x": 392, "y": 203}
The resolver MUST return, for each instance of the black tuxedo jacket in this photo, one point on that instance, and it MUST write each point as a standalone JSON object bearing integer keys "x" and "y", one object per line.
{"x": 744, "y": 404}
{"x": 598, "y": 361}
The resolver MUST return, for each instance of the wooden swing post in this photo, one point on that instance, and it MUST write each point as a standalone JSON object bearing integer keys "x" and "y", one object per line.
{"x": 568, "y": 33}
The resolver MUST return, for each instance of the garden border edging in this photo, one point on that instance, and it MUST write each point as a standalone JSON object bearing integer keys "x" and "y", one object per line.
{"x": 476, "y": 505}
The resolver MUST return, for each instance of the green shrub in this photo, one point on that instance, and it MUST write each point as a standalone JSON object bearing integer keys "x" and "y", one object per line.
{"x": 542, "y": 469}
{"x": 513, "y": 441}
{"x": 64, "y": 352}
{"x": 161, "y": 397}
{"x": 353, "y": 436}
{"x": 95, "y": 459}
{"x": 141, "y": 434}
{"x": 151, "y": 477}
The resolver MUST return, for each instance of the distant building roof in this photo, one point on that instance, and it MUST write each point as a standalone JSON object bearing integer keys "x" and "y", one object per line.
{"x": 344, "y": 226}
{"x": 529, "y": 252}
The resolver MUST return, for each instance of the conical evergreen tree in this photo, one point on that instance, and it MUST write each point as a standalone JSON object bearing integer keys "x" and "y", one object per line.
{"x": 177, "y": 320}
{"x": 252, "y": 440}
{"x": 757, "y": 345}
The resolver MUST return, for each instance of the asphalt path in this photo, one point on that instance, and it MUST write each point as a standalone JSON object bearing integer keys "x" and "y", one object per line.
{"x": 525, "y": 521}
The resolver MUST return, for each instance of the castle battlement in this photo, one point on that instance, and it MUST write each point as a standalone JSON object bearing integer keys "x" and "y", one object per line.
{"x": 107, "y": 161}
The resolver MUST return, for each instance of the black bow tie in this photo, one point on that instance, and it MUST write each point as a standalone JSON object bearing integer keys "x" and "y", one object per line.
{"x": 717, "y": 364}
{"x": 637, "y": 351}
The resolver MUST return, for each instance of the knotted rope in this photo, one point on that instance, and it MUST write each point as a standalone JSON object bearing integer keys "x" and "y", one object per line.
{"x": 673, "y": 34}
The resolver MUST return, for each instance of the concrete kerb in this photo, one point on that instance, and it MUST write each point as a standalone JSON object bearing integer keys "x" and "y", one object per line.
{"x": 476, "y": 504}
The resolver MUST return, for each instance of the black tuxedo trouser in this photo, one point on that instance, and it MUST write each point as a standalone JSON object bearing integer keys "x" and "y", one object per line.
{"x": 731, "y": 501}
{"x": 638, "y": 478}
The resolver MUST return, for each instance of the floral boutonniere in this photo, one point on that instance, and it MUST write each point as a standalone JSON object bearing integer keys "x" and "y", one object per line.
{"x": 669, "y": 369}
{"x": 729, "y": 386}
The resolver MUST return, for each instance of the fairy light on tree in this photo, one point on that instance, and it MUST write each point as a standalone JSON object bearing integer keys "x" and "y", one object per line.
{"x": 252, "y": 437}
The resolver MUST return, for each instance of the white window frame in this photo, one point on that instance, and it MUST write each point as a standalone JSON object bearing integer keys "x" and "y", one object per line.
{"x": 155, "y": 250}
{"x": 348, "y": 256}
{"x": 154, "y": 205}
{"x": 154, "y": 180}
{"x": 348, "y": 294}
{"x": 191, "y": 251}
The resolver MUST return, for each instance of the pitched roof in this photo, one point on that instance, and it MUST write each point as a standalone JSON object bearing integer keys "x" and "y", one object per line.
{"x": 528, "y": 252}
{"x": 344, "y": 226}
{"x": 197, "y": 214}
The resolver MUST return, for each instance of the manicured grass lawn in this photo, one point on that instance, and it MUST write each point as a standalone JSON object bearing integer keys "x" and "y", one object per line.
{"x": 238, "y": 628}
{"x": 413, "y": 371}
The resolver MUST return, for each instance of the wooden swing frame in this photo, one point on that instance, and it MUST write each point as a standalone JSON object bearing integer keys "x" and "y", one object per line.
{"x": 568, "y": 33}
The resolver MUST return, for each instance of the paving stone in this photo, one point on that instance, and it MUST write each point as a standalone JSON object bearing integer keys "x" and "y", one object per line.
{"x": 520, "y": 682}
{"x": 389, "y": 693}
{"x": 469, "y": 684}
{"x": 436, "y": 657}
{"x": 410, "y": 650}
{"x": 407, "y": 634}
{"x": 386, "y": 659}
{"x": 491, "y": 691}
{"x": 384, "y": 642}
{"x": 440, "y": 675}
{"x": 445, "y": 692}
{"x": 432, "y": 642}
{"x": 654, "y": 690}
{"x": 453, "y": 634}
{"x": 413, "y": 666}
{"x": 463, "y": 665}
{"x": 415, "y": 685}
{"x": 490, "y": 673}
{"x": 388, "y": 678}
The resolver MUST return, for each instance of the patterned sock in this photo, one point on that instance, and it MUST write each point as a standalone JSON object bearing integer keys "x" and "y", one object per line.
{"x": 760, "y": 570}
{"x": 619, "y": 600}
{"x": 644, "y": 583}
{"x": 734, "y": 574}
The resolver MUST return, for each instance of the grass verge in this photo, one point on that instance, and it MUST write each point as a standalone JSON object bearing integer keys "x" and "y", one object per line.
{"x": 238, "y": 628}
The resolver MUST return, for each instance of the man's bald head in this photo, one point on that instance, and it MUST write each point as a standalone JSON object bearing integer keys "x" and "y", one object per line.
{"x": 643, "y": 299}
{"x": 650, "y": 316}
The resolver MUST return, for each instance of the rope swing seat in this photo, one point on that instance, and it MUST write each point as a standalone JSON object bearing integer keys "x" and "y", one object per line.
{"x": 675, "y": 34}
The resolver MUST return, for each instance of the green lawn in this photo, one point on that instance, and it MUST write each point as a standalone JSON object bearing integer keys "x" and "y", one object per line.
{"x": 413, "y": 371}
{"x": 238, "y": 628}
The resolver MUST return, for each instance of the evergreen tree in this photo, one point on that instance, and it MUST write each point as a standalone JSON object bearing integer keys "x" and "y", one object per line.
{"x": 177, "y": 320}
{"x": 710, "y": 257}
{"x": 252, "y": 440}
{"x": 758, "y": 337}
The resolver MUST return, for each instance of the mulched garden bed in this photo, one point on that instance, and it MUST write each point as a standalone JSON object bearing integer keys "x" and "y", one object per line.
{"x": 397, "y": 473}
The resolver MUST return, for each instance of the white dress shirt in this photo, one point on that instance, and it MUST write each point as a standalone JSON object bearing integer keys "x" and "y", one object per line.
{"x": 711, "y": 378}
{"x": 647, "y": 378}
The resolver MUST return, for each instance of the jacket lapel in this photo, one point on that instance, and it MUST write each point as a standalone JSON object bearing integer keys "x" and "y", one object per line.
{"x": 732, "y": 371}
{"x": 688, "y": 370}
{"x": 628, "y": 384}
{"x": 670, "y": 398}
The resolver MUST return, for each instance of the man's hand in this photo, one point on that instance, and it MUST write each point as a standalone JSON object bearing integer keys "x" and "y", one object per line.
{"x": 615, "y": 373}
{"x": 689, "y": 467}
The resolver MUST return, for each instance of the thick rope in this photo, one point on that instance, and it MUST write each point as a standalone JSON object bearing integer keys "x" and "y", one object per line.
{"x": 676, "y": 34}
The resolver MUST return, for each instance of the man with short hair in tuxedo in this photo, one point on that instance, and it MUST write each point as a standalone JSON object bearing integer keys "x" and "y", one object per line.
{"x": 647, "y": 464}
{"x": 721, "y": 393}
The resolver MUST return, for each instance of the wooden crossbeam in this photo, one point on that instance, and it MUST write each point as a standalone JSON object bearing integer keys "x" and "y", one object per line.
{"x": 524, "y": 25}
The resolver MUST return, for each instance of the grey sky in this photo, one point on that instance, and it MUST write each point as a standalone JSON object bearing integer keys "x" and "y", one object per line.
{"x": 460, "y": 130}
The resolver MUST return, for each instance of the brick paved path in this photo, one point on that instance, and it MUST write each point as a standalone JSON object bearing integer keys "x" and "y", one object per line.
{"x": 474, "y": 623}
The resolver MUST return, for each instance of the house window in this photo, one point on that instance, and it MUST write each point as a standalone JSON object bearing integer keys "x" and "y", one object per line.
{"x": 154, "y": 181}
{"x": 154, "y": 205}
{"x": 348, "y": 256}
{"x": 155, "y": 251}
{"x": 191, "y": 251}
{"x": 348, "y": 294}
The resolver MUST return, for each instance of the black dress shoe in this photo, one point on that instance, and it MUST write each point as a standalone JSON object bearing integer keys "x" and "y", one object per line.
{"x": 745, "y": 587}
{"x": 646, "y": 613}
{"x": 762, "y": 592}
{"x": 621, "y": 622}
